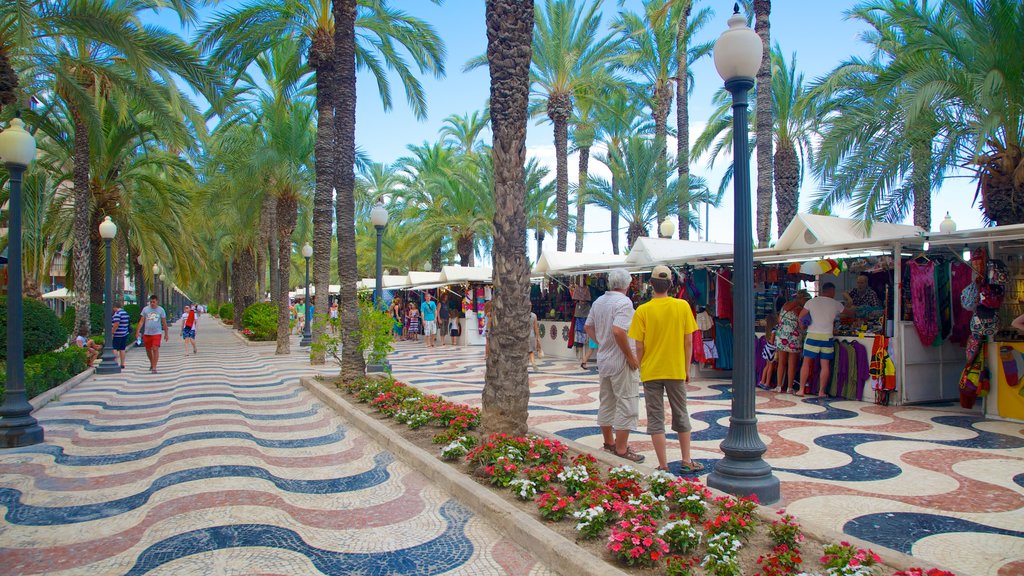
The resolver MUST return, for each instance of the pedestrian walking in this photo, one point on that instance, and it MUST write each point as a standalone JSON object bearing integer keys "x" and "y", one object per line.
{"x": 428, "y": 311}
{"x": 619, "y": 398}
{"x": 444, "y": 314}
{"x": 789, "y": 341}
{"x": 413, "y": 327}
{"x": 663, "y": 329}
{"x": 189, "y": 323}
{"x": 535, "y": 341}
{"x": 300, "y": 316}
{"x": 334, "y": 317}
{"x": 821, "y": 313}
{"x": 153, "y": 323}
{"x": 121, "y": 325}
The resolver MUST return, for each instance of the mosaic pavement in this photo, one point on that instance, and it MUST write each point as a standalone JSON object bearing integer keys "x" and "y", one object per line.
{"x": 224, "y": 464}
{"x": 946, "y": 486}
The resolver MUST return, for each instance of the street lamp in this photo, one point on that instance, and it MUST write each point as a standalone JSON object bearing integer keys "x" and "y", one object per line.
{"x": 667, "y": 228}
{"x": 108, "y": 363}
{"x": 742, "y": 471}
{"x": 163, "y": 293}
{"x": 17, "y": 426}
{"x": 307, "y": 335}
{"x": 379, "y": 219}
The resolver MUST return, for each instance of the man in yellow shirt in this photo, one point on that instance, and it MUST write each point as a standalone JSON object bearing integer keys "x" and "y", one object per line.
{"x": 663, "y": 329}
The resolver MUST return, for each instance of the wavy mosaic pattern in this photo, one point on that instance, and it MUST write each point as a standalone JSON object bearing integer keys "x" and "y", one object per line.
{"x": 221, "y": 464}
{"x": 942, "y": 484}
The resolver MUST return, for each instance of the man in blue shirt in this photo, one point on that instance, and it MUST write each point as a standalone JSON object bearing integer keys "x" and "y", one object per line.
{"x": 428, "y": 310}
{"x": 121, "y": 323}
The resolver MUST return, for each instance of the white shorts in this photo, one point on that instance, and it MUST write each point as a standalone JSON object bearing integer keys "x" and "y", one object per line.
{"x": 429, "y": 327}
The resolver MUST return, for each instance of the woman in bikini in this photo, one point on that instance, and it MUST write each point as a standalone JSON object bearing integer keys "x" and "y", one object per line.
{"x": 789, "y": 341}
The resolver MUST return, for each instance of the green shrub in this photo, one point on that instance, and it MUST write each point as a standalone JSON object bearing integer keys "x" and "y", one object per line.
{"x": 227, "y": 311}
{"x": 68, "y": 320}
{"x": 42, "y": 331}
{"x": 261, "y": 319}
{"x": 133, "y": 311}
{"x": 47, "y": 370}
{"x": 213, "y": 307}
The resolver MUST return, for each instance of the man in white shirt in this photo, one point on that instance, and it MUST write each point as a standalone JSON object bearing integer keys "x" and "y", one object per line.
{"x": 607, "y": 324}
{"x": 823, "y": 310}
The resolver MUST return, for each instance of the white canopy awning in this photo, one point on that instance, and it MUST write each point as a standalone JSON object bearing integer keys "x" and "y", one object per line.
{"x": 812, "y": 232}
{"x": 456, "y": 274}
{"x": 555, "y": 262}
{"x": 58, "y": 294}
{"x": 424, "y": 279}
{"x": 648, "y": 252}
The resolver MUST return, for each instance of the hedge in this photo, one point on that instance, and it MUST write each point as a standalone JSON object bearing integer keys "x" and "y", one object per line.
{"x": 227, "y": 311}
{"x": 46, "y": 371}
{"x": 133, "y": 311}
{"x": 42, "y": 331}
{"x": 261, "y": 320}
{"x": 95, "y": 320}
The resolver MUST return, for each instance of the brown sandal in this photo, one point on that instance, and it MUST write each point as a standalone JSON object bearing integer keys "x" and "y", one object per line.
{"x": 630, "y": 455}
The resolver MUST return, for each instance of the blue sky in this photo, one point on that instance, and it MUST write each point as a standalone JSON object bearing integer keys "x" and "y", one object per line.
{"x": 817, "y": 32}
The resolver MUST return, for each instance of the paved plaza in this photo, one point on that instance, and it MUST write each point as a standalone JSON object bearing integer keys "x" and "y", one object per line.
{"x": 940, "y": 484}
{"x": 221, "y": 464}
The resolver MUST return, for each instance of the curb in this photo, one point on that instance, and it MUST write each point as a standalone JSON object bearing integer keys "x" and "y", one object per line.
{"x": 556, "y": 551}
{"x": 248, "y": 342}
{"x": 53, "y": 393}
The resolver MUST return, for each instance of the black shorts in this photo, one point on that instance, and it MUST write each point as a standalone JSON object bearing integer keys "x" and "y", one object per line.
{"x": 120, "y": 342}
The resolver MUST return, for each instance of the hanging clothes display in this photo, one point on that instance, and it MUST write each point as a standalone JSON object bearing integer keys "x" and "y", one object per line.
{"x": 882, "y": 370}
{"x": 922, "y": 290}
{"x": 723, "y": 341}
{"x": 723, "y": 292}
{"x": 960, "y": 279}
{"x": 944, "y": 302}
{"x": 700, "y": 281}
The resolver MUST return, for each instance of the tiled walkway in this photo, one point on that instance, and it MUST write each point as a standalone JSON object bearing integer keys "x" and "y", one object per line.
{"x": 943, "y": 485}
{"x": 223, "y": 464}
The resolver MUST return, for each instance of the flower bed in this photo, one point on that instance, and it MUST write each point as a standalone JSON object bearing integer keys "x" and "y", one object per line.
{"x": 644, "y": 523}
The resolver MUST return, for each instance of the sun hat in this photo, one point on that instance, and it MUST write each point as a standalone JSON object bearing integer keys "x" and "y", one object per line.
{"x": 662, "y": 272}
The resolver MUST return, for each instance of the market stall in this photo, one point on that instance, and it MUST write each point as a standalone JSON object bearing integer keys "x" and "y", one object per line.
{"x": 473, "y": 284}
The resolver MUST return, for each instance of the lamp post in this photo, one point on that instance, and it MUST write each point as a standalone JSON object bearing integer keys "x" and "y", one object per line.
{"x": 17, "y": 426}
{"x": 742, "y": 471}
{"x": 667, "y": 228}
{"x": 307, "y": 335}
{"x": 379, "y": 219}
{"x": 163, "y": 294}
{"x": 140, "y": 283}
{"x": 108, "y": 364}
{"x": 156, "y": 278}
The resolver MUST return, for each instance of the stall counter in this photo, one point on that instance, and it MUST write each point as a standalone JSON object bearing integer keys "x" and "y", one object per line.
{"x": 554, "y": 338}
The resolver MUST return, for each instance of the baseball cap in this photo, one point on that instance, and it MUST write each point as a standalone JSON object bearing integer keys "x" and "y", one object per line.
{"x": 662, "y": 272}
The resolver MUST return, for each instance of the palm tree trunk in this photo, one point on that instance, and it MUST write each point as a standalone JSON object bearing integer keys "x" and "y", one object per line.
{"x": 80, "y": 225}
{"x": 464, "y": 245}
{"x": 435, "y": 257}
{"x": 262, "y": 247}
{"x": 662, "y": 106}
{"x": 559, "y": 110}
{"x": 762, "y": 10}
{"x": 245, "y": 290}
{"x": 352, "y": 363}
{"x": 96, "y": 256}
{"x": 581, "y": 196}
{"x": 635, "y": 230}
{"x": 273, "y": 245}
{"x": 286, "y": 212}
{"x": 323, "y": 59}
{"x": 139, "y": 275}
{"x": 921, "y": 182}
{"x": 236, "y": 300}
{"x": 683, "y": 122}
{"x": 506, "y": 386}
{"x": 615, "y": 219}
{"x": 787, "y": 184}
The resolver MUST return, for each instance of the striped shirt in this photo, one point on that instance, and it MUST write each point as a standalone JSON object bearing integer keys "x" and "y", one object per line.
{"x": 123, "y": 323}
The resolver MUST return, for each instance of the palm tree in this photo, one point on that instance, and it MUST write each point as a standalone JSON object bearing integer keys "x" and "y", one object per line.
{"x": 540, "y": 206}
{"x": 569, "y": 55}
{"x": 619, "y": 117}
{"x": 796, "y": 120}
{"x": 634, "y": 169}
{"x": 870, "y": 155}
{"x": 237, "y": 37}
{"x": 83, "y": 53}
{"x": 422, "y": 172}
{"x": 650, "y": 41}
{"x": 765, "y": 123}
{"x": 463, "y": 132}
{"x": 584, "y": 132}
{"x": 507, "y": 388}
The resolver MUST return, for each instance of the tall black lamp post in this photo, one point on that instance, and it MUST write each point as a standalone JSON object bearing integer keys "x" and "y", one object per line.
{"x": 163, "y": 295}
{"x": 379, "y": 219}
{"x": 108, "y": 363}
{"x": 307, "y": 334}
{"x": 17, "y": 426}
{"x": 743, "y": 471}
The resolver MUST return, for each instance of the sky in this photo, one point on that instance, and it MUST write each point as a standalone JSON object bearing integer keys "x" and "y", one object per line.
{"x": 817, "y": 32}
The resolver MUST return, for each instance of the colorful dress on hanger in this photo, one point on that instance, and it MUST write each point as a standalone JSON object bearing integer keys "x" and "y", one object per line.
{"x": 922, "y": 293}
